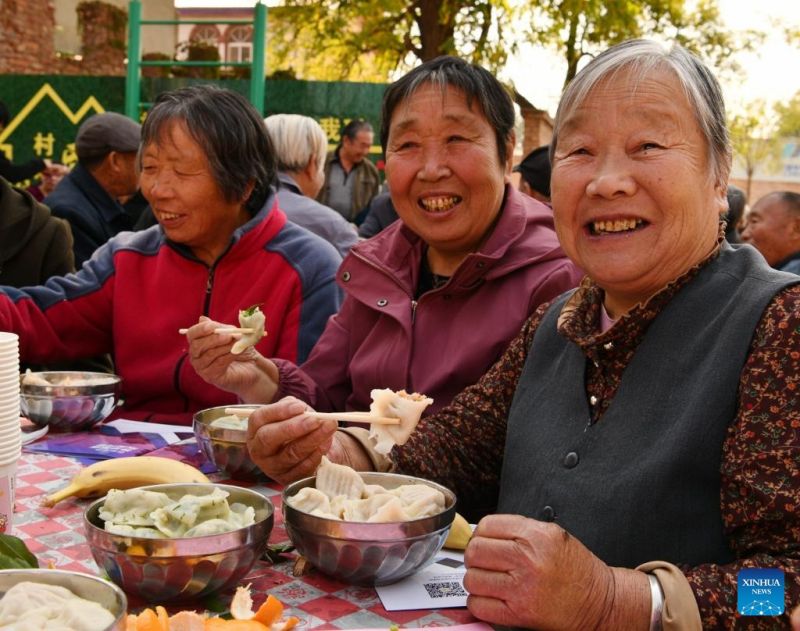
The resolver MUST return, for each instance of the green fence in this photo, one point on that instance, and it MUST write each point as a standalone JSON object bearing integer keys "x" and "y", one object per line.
{"x": 46, "y": 111}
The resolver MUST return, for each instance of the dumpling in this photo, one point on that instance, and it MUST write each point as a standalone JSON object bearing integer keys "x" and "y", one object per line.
{"x": 372, "y": 489}
{"x": 31, "y": 605}
{"x": 133, "y": 507}
{"x": 407, "y": 407}
{"x": 230, "y": 422}
{"x": 420, "y": 500}
{"x": 391, "y": 511}
{"x": 132, "y": 531}
{"x": 252, "y": 318}
{"x": 363, "y": 510}
{"x": 311, "y": 500}
{"x": 336, "y": 479}
{"x": 174, "y": 520}
{"x": 242, "y": 515}
{"x": 211, "y": 527}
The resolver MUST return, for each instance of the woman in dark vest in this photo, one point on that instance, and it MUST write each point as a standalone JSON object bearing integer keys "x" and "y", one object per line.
{"x": 639, "y": 438}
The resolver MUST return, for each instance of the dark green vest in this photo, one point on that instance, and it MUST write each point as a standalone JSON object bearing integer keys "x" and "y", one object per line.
{"x": 643, "y": 483}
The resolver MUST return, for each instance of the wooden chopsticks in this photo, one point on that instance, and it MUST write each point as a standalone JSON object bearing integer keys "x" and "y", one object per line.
{"x": 223, "y": 329}
{"x": 352, "y": 417}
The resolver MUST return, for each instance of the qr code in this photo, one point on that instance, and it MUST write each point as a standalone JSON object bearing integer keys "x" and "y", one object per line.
{"x": 445, "y": 590}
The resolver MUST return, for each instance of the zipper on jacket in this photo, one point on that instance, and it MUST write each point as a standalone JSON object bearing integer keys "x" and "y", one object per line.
{"x": 209, "y": 288}
{"x": 413, "y": 311}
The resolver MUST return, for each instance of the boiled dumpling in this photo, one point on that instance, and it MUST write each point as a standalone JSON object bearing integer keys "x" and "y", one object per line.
{"x": 311, "y": 500}
{"x": 407, "y": 407}
{"x": 210, "y": 527}
{"x": 252, "y": 318}
{"x": 392, "y": 510}
{"x": 29, "y": 606}
{"x": 363, "y": 510}
{"x": 175, "y": 519}
{"x": 420, "y": 500}
{"x": 336, "y": 479}
{"x": 133, "y": 507}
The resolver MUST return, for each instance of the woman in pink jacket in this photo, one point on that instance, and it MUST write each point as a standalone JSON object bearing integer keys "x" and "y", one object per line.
{"x": 432, "y": 301}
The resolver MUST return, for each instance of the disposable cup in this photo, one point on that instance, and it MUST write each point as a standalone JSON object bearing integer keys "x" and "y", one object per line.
{"x": 10, "y": 453}
{"x": 8, "y": 474}
{"x": 8, "y": 430}
{"x": 9, "y": 409}
{"x": 8, "y": 424}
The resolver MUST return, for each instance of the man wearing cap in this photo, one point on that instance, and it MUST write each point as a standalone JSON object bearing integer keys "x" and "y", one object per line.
{"x": 88, "y": 197}
{"x": 534, "y": 173}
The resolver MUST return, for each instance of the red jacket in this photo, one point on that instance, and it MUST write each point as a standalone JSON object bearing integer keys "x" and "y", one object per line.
{"x": 134, "y": 294}
{"x": 444, "y": 341}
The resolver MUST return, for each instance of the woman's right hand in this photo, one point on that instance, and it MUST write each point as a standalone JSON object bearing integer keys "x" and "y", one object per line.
{"x": 287, "y": 444}
{"x": 249, "y": 375}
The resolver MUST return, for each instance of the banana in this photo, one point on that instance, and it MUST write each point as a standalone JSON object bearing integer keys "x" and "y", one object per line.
{"x": 459, "y": 535}
{"x": 125, "y": 473}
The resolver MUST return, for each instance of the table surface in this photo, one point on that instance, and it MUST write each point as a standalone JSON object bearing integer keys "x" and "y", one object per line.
{"x": 55, "y": 535}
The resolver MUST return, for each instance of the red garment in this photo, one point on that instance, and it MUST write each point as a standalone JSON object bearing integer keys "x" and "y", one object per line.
{"x": 383, "y": 337}
{"x": 134, "y": 294}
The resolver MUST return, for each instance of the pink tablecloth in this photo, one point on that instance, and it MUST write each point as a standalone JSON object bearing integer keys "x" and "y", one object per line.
{"x": 56, "y": 535}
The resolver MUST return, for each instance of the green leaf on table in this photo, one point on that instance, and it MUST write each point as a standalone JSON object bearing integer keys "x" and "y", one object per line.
{"x": 274, "y": 553}
{"x": 15, "y": 554}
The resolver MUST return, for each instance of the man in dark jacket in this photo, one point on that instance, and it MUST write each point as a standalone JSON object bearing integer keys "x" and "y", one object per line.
{"x": 34, "y": 245}
{"x": 88, "y": 197}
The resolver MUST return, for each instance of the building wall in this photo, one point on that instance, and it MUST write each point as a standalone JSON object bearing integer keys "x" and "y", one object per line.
{"x": 26, "y": 36}
{"x": 159, "y": 38}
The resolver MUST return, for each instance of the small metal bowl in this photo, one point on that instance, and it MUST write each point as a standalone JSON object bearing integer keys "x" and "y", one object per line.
{"x": 163, "y": 570}
{"x": 69, "y": 403}
{"x": 225, "y": 448}
{"x": 85, "y": 586}
{"x": 363, "y": 553}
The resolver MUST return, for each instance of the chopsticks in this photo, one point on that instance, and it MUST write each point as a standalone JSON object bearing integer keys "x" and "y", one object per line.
{"x": 352, "y": 417}
{"x": 223, "y": 329}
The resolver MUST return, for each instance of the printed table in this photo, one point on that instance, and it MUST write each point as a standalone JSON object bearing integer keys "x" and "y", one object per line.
{"x": 56, "y": 535}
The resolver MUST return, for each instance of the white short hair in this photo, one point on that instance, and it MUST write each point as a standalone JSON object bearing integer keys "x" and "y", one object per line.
{"x": 296, "y": 140}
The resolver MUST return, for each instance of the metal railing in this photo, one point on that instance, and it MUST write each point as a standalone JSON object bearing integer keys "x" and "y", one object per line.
{"x": 133, "y": 79}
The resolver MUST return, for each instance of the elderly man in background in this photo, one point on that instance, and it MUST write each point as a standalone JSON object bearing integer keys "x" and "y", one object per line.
{"x": 640, "y": 435}
{"x": 351, "y": 180}
{"x": 773, "y": 228}
{"x": 300, "y": 148}
{"x": 534, "y": 171}
{"x": 88, "y": 198}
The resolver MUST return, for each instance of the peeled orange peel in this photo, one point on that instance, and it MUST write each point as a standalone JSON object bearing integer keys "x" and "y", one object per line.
{"x": 267, "y": 618}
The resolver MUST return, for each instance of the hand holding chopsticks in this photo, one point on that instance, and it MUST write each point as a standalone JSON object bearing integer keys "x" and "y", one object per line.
{"x": 352, "y": 417}
{"x": 224, "y": 329}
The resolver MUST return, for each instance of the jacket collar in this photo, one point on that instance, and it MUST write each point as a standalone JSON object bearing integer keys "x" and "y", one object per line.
{"x": 108, "y": 207}
{"x": 288, "y": 182}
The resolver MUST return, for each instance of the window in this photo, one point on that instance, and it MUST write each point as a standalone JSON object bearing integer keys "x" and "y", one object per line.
{"x": 206, "y": 33}
{"x": 240, "y": 44}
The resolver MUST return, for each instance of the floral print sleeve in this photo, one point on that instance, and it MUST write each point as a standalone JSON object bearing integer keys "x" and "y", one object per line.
{"x": 462, "y": 446}
{"x": 760, "y": 494}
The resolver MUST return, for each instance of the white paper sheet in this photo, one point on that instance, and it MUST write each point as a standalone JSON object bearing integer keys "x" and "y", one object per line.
{"x": 436, "y": 586}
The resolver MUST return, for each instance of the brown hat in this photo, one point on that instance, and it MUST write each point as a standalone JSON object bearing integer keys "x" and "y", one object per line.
{"x": 106, "y": 132}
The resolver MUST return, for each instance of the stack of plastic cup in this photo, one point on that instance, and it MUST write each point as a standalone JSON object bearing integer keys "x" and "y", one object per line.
{"x": 10, "y": 435}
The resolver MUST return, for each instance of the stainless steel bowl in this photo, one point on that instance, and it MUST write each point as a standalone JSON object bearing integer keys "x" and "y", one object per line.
{"x": 65, "y": 406}
{"x": 363, "y": 553}
{"x": 162, "y": 570}
{"x": 86, "y": 586}
{"x": 226, "y": 448}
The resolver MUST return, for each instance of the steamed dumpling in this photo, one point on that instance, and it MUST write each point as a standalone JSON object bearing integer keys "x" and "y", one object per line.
{"x": 420, "y": 500}
{"x": 29, "y": 605}
{"x": 311, "y": 500}
{"x": 252, "y": 318}
{"x": 407, "y": 407}
{"x": 336, "y": 479}
{"x": 175, "y": 519}
{"x": 132, "y": 531}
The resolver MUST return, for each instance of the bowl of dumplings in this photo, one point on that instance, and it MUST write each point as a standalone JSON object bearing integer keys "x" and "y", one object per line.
{"x": 173, "y": 542}
{"x": 60, "y": 599}
{"x": 68, "y": 400}
{"x": 367, "y": 528}
{"x": 222, "y": 440}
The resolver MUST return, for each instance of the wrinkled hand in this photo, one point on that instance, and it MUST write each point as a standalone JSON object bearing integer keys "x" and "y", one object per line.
{"x": 211, "y": 358}
{"x": 287, "y": 444}
{"x": 526, "y": 573}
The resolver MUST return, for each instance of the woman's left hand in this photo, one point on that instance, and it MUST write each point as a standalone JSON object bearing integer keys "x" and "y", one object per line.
{"x": 527, "y": 573}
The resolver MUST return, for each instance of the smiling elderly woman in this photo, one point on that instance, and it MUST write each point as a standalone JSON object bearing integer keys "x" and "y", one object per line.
{"x": 432, "y": 301}
{"x": 223, "y": 244}
{"x": 641, "y": 433}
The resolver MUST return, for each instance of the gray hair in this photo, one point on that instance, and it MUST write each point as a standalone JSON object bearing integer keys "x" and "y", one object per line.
{"x": 228, "y": 129}
{"x": 296, "y": 139}
{"x": 642, "y": 57}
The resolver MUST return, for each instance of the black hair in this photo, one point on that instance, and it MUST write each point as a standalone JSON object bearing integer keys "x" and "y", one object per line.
{"x": 354, "y": 127}
{"x": 478, "y": 85}
{"x": 230, "y": 131}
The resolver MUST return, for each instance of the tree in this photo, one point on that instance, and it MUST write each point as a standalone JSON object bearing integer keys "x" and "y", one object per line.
{"x": 382, "y": 36}
{"x": 789, "y": 117}
{"x": 755, "y": 140}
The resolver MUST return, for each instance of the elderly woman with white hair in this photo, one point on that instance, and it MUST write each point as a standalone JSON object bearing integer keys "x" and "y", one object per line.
{"x": 300, "y": 149}
{"x": 640, "y": 436}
